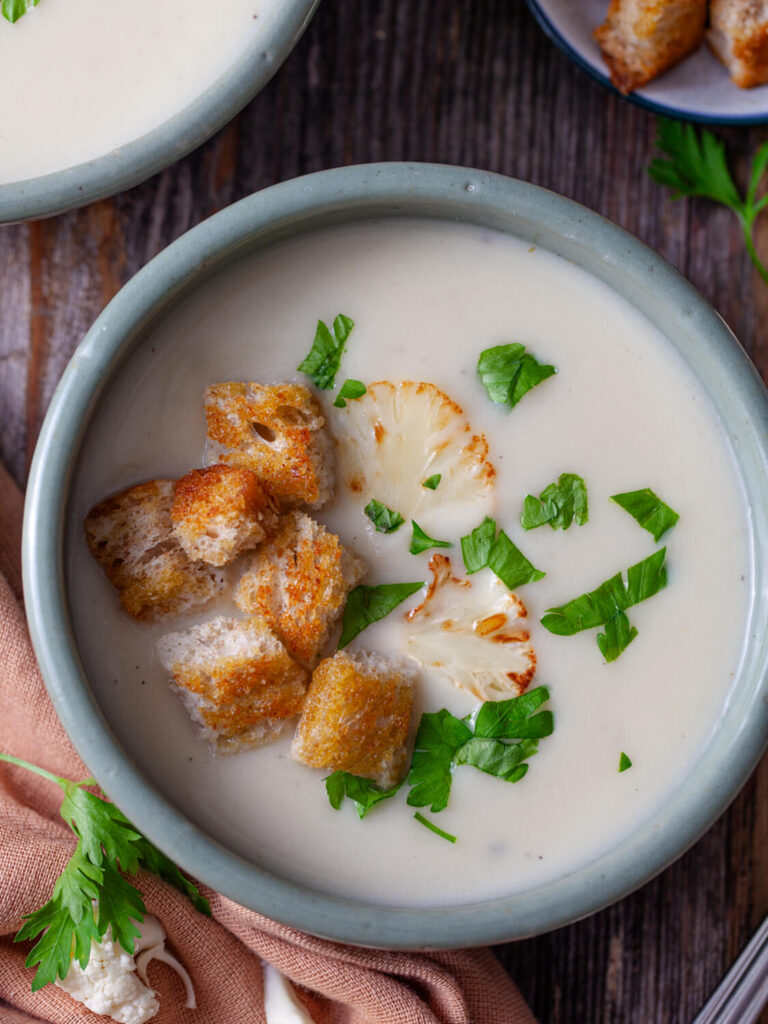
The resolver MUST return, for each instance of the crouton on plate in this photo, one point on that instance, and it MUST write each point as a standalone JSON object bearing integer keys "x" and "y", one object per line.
{"x": 221, "y": 511}
{"x": 738, "y": 35}
{"x": 237, "y": 681}
{"x": 131, "y": 536}
{"x": 642, "y": 38}
{"x": 356, "y": 718}
{"x": 299, "y": 580}
{"x": 277, "y": 431}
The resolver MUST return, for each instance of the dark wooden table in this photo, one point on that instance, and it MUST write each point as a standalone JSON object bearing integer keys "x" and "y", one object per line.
{"x": 470, "y": 82}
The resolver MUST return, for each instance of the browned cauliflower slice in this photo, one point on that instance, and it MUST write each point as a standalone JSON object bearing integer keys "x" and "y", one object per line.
{"x": 473, "y": 632}
{"x": 398, "y": 436}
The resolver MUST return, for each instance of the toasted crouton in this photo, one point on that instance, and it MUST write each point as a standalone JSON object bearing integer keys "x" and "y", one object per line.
{"x": 356, "y": 718}
{"x": 738, "y": 36}
{"x": 299, "y": 580}
{"x": 642, "y": 38}
{"x": 220, "y": 512}
{"x": 277, "y": 431}
{"x": 237, "y": 681}
{"x": 131, "y": 535}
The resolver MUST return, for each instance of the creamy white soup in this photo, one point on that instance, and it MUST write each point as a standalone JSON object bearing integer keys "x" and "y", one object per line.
{"x": 105, "y": 73}
{"x": 623, "y": 411}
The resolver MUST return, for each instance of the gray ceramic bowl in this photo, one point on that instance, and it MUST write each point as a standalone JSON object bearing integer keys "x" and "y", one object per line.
{"x": 141, "y": 158}
{"x": 328, "y": 198}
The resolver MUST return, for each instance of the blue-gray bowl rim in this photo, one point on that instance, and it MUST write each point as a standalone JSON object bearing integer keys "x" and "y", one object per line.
{"x": 361, "y": 193}
{"x": 139, "y": 159}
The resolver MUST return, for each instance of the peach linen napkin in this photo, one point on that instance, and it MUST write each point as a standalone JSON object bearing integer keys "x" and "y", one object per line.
{"x": 338, "y": 984}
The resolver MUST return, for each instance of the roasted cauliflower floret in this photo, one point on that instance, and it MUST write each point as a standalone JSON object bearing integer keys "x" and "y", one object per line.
{"x": 237, "y": 681}
{"x": 473, "y": 632}
{"x": 357, "y": 717}
{"x": 131, "y": 536}
{"x": 398, "y": 436}
{"x": 299, "y": 581}
{"x": 278, "y": 432}
{"x": 221, "y": 511}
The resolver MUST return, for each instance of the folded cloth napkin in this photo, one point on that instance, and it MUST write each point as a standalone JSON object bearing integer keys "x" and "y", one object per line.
{"x": 338, "y": 984}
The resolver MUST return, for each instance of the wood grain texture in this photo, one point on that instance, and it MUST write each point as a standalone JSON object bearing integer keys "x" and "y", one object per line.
{"x": 456, "y": 81}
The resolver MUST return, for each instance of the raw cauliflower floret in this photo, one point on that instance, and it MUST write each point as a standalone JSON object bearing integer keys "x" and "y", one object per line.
{"x": 357, "y": 717}
{"x": 276, "y": 430}
{"x": 397, "y": 436}
{"x": 108, "y": 984}
{"x": 131, "y": 535}
{"x": 299, "y": 581}
{"x": 473, "y": 632}
{"x": 220, "y": 511}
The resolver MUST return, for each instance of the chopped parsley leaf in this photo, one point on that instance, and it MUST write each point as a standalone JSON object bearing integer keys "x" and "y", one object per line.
{"x": 432, "y": 481}
{"x": 369, "y": 604}
{"x": 559, "y": 504}
{"x": 383, "y": 518}
{"x": 349, "y": 389}
{"x": 12, "y": 10}
{"x": 617, "y": 637}
{"x": 624, "y": 762}
{"x": 476, "y": 546}
{"x": 483, "y": 549}
{"x": 421, "y": 541}
{"x": 324, "y": 358}
{"x": 649, "y": 510}
{"x": 364, "y": 793}
{"x": 508, "y": 373}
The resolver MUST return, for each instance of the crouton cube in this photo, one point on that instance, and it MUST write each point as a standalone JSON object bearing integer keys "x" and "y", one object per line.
{"x": 131, "y": 536}
{"x": 642, "y": 38}
{"x": 738, "y": 36}
{"x": 299, "y": 580}
{"x": 221, "y": 511}
{"x": 236, "y": 680}
{"x": 277, "y": 431}
{"x": 357, "y": 717}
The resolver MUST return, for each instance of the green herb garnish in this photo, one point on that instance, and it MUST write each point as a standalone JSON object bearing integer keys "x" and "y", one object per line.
{"x": 421, "y": 541}
{"x": 322, "y": 362}
{"x": 383, "y": 518}
{"x": 369, "y": 604}
{"x": 558, "y": 504}
{"x": 349, "y": 389}
{"x": 649, "y": 510}
{"x": 601, "y": 607}
{"x": 433, "y": 828}
{"x": 483, "y": 549}
{"x": 364, "y": 793}
{"x": 107, "y": 844}
{"x": 617, "y": 637}
{"x": 432, "y": 481}
{"x": 12, "y": 10}
{"x": 624, "y": 762}
{"x": 697, "y": 166}
{"x": 444, "y": 741}
{"x": 508, "y": 373}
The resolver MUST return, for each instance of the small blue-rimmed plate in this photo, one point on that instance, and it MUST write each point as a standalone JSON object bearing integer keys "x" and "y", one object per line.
{"x": 698, "y": 89}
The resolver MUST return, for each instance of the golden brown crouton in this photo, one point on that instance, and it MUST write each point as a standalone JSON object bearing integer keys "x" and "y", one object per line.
{"x": 299, "y": 581}
{"x": 131, "y": 535}
{"x": 278, "y": 432}
{"x": 221, "y": 511}
{"x": 356, "y": 718}
{"x": 237, "y": 681}
{"x": 738, "y": 35}
{"x": 642, "y": 38}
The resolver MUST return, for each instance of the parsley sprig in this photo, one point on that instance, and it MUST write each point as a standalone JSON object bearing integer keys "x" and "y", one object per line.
{"x": 697, "y": 166}
{"x": 324, "y": 358}
{"x": 107, "y": 844}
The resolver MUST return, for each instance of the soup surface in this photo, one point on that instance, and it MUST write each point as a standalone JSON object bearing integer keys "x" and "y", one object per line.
{"x": 623, "y": 411}
{"x": 107, "y": 73}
